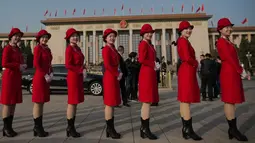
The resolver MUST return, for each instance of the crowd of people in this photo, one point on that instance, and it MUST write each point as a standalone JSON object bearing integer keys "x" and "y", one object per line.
{"x": 139, "y": 73}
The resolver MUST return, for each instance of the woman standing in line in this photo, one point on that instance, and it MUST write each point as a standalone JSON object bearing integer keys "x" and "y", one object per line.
{"x": 41, "y": 80}
{"x": 188, "y": 89}
{"x": 230, "y": 73}
{"x": 112, "y": 76}
{"x": 74, "y": 62}
{"x": 11, "y": 94}
{"x": 148, "y": 89}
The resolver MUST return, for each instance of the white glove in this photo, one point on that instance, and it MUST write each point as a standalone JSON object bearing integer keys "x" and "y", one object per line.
{"x": 47, "y": 78}
{"x": 157, "y": 66}
{"x": 84, "y": 73}
{"x": 120, "y": 76}
{"x": 51, "y": 75}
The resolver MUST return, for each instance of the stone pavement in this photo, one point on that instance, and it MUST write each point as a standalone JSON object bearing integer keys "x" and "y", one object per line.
{"x": 208, "y": 118}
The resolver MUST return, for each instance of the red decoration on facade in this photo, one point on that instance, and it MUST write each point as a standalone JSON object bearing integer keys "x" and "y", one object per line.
{"x": 123, "y": 24}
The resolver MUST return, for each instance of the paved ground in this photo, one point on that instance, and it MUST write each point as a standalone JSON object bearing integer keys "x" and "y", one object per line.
{"x": 209, "y": 120}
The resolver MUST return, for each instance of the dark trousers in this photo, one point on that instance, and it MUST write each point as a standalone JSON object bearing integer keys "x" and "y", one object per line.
{"x": 207, "y": 81}
{"x": 216, "y": 87}
{"x": 132, "y": 87}
{"x": 123, "y": 90}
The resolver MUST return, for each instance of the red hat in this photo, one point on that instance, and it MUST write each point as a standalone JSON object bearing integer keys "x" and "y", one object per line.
{"x": 184, "y": 25}
{"x": 107, "y": 32}
{"x": 224, "y": 22}
{"x": 146, "y": 28}
{"x": 42, "y": 33}
{"x": 15, "y": 31}
{"x": 70, "y": 32}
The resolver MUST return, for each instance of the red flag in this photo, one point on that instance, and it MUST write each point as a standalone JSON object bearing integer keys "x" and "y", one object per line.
{"x": 162, "y": 9}
{"x": 56, "y": 13}
{"x": 212, "y": 23}
{"x": 74, "y": 10}
{"x": 172, "y": 8}
{"x": 65, "y": 12}
{"x": 103, "y": 11}
{"x": 198, "y": 10}
{"x": 50, "y": 14}
{"x": 141, "y": 10}
{"x": 151, "y": 10}
{"x": 46, "y": 12}
{"x": 129, "y": 10}
{"x": 122, "y": 7}
{"x": 202, "y": 8}
{"x": 192, "y": 8}
{"x": 244, "y": 21}
{"x": 26, "y": 28}
{"x": 94, "y": 11}
{"x": 114, "y": 11}
{"x": 182, "y": 8}
{"x": 84, "y": 11}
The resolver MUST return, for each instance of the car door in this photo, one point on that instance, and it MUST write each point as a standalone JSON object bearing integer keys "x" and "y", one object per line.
{"x": 59, "y": 78}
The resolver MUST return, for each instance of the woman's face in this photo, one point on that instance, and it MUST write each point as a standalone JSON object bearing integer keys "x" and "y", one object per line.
{"x": 186, "y": 32}
{"x": 44, "y": 39}
{"x": 16, "y": 38}
{"x": 110, "y": 39}
{"x": 226, "y": 31}
{"x": 74, "y": 38}
{"x": 147, "y": 36}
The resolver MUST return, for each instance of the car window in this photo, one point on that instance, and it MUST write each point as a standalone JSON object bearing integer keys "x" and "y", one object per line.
{"x": 59, "y": 69}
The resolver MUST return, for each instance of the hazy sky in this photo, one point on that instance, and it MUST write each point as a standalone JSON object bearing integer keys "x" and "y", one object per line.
{"x": 19, "y": 13}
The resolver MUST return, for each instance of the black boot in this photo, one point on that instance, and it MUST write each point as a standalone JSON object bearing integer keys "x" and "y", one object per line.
{"x": 233, "y": 132}
{"x": 145, "y": 130}
{"x": 11, "y": 120}
{"x": 7, "y": 131}
{"x": 110, "y": 129}
{"x": 187, "y": 130}
{"x": 38, "y": 128}
{"x": 70, "y": 130}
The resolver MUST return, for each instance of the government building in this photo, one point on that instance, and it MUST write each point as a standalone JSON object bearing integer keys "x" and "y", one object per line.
{"x": 128, "y": 27}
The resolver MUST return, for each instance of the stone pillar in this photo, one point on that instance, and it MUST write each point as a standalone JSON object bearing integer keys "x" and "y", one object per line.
{"x": 249, "y": 37}
{"x": 94, "y": 46}
{"x": 163, "y": 43}
{"x": 97, "y": 48}
{"x": 174, "y": 48}
{"x": 84, "y": 45}
{"x": 86, "y": 48}
{"x": 213, "y": 41}
{"x": 130, "y": 41}
{"x": 153, "y": 40}
{"x": 116, "y": 42}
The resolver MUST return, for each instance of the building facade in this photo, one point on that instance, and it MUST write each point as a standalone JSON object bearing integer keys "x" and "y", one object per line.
{"x": 128, "y": 27}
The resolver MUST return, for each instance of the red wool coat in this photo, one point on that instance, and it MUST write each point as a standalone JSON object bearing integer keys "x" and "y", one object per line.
{"x": 230, "y": 75}
{"x": 110, "y": 83}
{"x": 42, "y": 64}
{"x": 188, "y": 89}
{"x": 148, "y": 87}
{"x": 74, "y": 60}
{"x": 11, "y": 79}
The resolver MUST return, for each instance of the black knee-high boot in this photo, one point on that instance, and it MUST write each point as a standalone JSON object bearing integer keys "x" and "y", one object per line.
{"x": 11, "y": 121}
{"x": 110, "y": 129}
{"x": 145, "y": 130}
{"x": 38, "y": 128}
{"x": 233, "y": 132}
{"x": 187, "y": 130}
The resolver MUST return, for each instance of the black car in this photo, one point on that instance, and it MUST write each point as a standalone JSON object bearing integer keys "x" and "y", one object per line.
{"x": 92, "y": 83}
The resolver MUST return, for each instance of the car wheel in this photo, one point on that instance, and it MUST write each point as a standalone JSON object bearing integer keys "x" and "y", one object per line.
{"x": 96, "y": 88}
{"x": 30, "y": 88}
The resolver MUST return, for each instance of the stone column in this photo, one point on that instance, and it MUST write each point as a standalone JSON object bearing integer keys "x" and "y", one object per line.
{"x": 94, "y": 46}
{"x": 174, "y": 48}
{"x": 213, "y": 40}
{"x": 163, "y": 43}
{"x": 130, "y": 40}
{"x": 97, "y": 48}
{"x": 84, "y": 45}
{"x": 153, "y": 40}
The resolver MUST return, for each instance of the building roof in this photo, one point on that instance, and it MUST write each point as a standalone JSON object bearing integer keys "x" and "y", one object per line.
{"x": 26, "y": 34}
{"x": 236, "y": 29}
{"x": 105, "y": 19}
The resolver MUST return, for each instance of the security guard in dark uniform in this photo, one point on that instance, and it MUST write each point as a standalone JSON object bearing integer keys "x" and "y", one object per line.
{"x": 207, "y": 75}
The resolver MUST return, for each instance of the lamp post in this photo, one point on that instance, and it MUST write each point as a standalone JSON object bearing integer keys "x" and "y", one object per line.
{"x": 249, "y": 55}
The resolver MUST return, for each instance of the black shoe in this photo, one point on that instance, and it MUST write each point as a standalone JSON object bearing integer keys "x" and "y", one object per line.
{"x": 110, "y": 130}
{"x": 145, "y": 130}
{"x": 233, "y": 132}
{"x": 11, "y": 121}
{"x": 210, "y": 99}
{"x": 7, "y": 130}
{"x": 187, "y": 130}
{"x": 154, "y": 104}
{"x": 38, "y": 128}
{"x": 126, "y": 104}
{"x": 203, "y": 99}
{"x": 70, "y": 130}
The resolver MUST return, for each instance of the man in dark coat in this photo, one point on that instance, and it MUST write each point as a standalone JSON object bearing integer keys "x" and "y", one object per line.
{"x": 207, "y": 74}
{"x": 123, "y": 81}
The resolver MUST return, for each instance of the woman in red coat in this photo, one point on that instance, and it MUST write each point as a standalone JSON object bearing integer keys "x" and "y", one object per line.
{"x": 188, "y": 89}
{"x": 74, "y": 62}
{"x": 112, "y": 76}
{"x": 148, "y": 89}
{"x": 230, "y": 77}
{"x": 11, "y": 94}
{"x": 41, "y": 80}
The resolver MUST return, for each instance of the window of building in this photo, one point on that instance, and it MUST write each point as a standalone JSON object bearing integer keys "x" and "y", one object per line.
{"x": 168, "y": 46}
{"x": 136, "y": 38}
{"x": 124, "y": 41}
{"x": 158, "y": 44}
{"x": 90, "y": 49}
{"x": 100, "y": 45}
